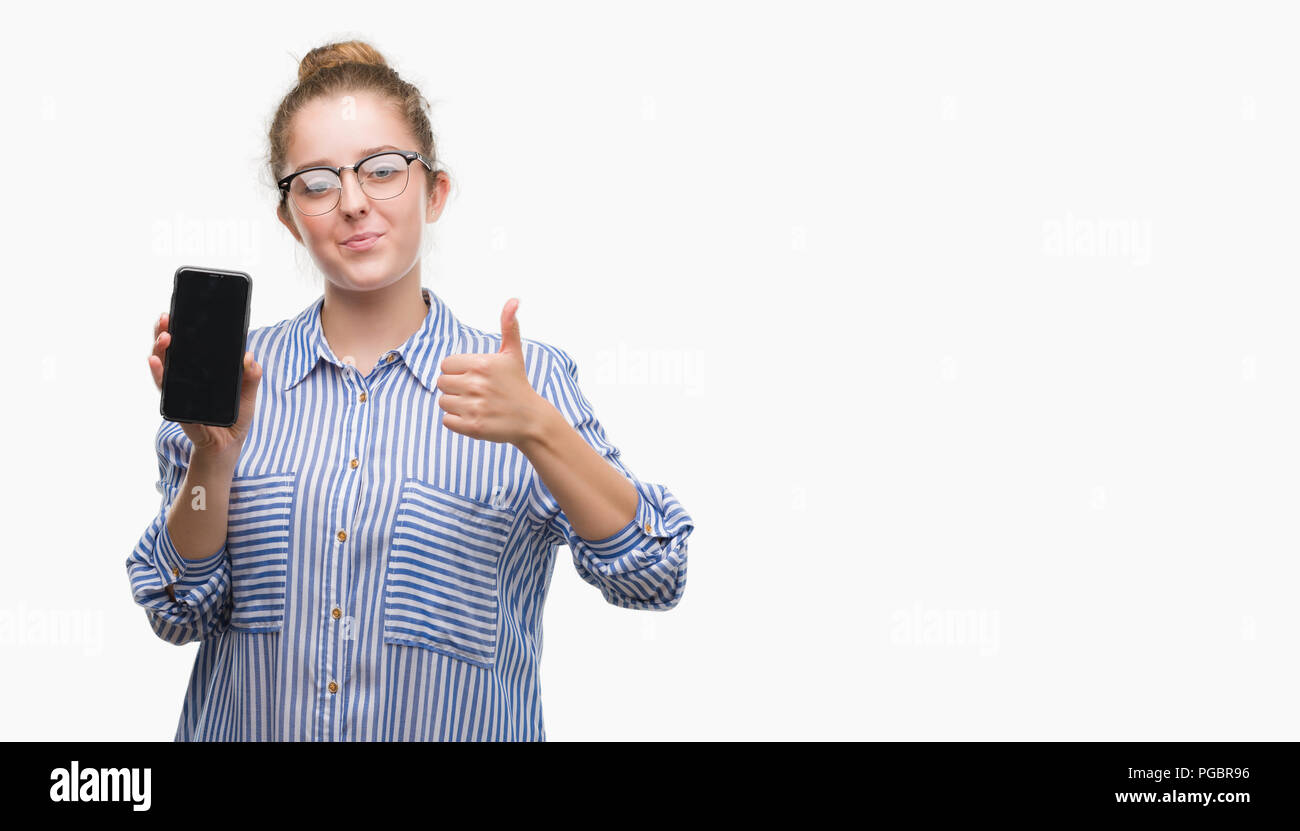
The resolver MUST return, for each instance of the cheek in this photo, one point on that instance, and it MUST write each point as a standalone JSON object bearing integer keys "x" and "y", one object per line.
{"x": 405, "y": 225}
{"x": 319, "y": 235}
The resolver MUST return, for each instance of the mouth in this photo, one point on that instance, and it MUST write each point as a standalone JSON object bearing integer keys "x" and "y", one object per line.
{"x": 362, "y": 242}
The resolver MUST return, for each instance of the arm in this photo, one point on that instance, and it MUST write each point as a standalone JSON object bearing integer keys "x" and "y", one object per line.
{"x": 597, "y": 498}
{"x": 628, "y": 538}
{"x": 179, "y": 569}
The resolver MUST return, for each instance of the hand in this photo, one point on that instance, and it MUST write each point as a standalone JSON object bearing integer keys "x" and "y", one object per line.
{"x": 488, "y": 396}
{"x": 218, "y": 441}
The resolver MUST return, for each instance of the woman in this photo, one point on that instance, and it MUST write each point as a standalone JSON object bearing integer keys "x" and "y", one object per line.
{"x": 365, "y": 553}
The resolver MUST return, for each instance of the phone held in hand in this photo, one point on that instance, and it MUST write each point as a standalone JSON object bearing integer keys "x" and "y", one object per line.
{"x": 203, "y": 366}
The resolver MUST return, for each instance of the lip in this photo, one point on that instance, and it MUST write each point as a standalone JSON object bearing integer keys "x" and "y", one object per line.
{"x": 362, "y": 242}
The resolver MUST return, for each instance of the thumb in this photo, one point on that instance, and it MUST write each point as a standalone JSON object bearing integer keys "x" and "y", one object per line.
{"x": 248, "y": 390}
{"x": 252, "y": 373}
{"x": 510, "y": 341}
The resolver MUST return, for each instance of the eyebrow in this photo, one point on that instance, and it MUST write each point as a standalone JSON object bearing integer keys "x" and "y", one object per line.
{"x": 364, "y": 153}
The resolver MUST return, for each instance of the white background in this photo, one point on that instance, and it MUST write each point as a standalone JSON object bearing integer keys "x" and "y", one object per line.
{"x": 965, "y": 332}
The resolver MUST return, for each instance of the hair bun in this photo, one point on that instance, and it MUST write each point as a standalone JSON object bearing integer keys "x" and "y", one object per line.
{"x": 333, "y": 54}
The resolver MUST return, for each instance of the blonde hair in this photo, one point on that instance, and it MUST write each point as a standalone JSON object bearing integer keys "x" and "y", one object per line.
{"x": 350, "y": 66}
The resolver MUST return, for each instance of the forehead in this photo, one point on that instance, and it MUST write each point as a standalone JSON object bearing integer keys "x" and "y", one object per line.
{"x": 336, "y": 130}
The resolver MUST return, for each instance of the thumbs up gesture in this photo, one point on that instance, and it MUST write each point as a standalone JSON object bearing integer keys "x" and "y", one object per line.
{"x": 487, "y": 395}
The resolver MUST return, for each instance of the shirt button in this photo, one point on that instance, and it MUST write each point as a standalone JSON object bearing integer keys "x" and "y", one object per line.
{"x": 176, "y": 572}
{"x": 354, "y": 464}
{"x": 334, "y": 687}
{"x": 343, "y": 535}
{"x": 647, "y": 527}
{"x": 338, "y": 613}
{"x": 363, "y": 396}
{"x": 392, "y": 356}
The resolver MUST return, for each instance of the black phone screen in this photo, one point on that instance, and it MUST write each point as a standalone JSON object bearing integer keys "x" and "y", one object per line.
{"x": 204, "y": 363}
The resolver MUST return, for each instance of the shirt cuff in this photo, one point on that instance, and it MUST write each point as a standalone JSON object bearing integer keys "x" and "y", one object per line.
{"x": 173, "y": 568}
{"x": 648, "y": 523}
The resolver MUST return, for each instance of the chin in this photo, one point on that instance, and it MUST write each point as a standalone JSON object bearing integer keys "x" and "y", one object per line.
{"x": 370, "y": 278}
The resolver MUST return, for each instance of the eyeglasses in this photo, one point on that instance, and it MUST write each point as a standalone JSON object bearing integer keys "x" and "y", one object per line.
{"x": 383, "y": 175}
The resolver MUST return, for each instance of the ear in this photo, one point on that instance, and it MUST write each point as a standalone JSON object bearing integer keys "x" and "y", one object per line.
{"x": 282, "y": 212}
{"x": 437, "y": 197}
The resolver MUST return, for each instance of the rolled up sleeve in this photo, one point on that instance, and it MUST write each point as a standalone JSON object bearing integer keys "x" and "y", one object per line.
{"x": 641, "y": 566}
{"x": 184, "y": 599}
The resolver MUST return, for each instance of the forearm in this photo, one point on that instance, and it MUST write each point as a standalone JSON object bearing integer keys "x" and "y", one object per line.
{"x": 597, "y": 499}
{"x": 197, "y": 522}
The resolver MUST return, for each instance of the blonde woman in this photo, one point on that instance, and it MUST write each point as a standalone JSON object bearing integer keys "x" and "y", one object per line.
{"x": 365, "y": 553}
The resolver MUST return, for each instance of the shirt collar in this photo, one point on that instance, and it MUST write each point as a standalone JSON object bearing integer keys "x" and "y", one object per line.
{"x": 307, "y": 343}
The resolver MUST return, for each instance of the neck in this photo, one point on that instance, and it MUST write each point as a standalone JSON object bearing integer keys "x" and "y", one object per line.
{"x": 366, "y": 324}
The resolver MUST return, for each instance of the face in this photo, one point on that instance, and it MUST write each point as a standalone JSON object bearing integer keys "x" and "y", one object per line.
{"x": 338, "y": 131}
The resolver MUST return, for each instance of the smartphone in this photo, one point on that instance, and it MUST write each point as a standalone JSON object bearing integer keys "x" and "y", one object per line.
{"x": 203, "y": 366}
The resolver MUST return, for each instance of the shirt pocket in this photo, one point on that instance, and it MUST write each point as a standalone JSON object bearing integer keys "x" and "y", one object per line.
{"x": 440, "y": 586}
{"x": 257, "y": 538}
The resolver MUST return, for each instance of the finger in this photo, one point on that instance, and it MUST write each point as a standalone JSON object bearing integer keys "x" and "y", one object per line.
{"x": 454, "y": 404}
{"x": 455, "y": 424}
{"x": 248, "y": 389}
{"x": 252, "y": 377}
{"x": 453, "y": 364}
{"x": 458, "y": 384}
{"x": 156, "y": 357}
{"x": 510, "y": 341}
{"x": 252, "y": 371}
{"x": 161, "y": 342}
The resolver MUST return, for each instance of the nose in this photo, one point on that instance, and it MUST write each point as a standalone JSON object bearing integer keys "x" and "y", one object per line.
{"x": 352, "y": 200}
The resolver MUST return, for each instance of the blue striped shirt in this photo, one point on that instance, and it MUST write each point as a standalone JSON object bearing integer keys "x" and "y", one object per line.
{"x": 383, "y": 577}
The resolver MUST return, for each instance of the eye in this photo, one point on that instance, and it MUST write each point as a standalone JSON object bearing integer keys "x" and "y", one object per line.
{"x": 315, "y": 184}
